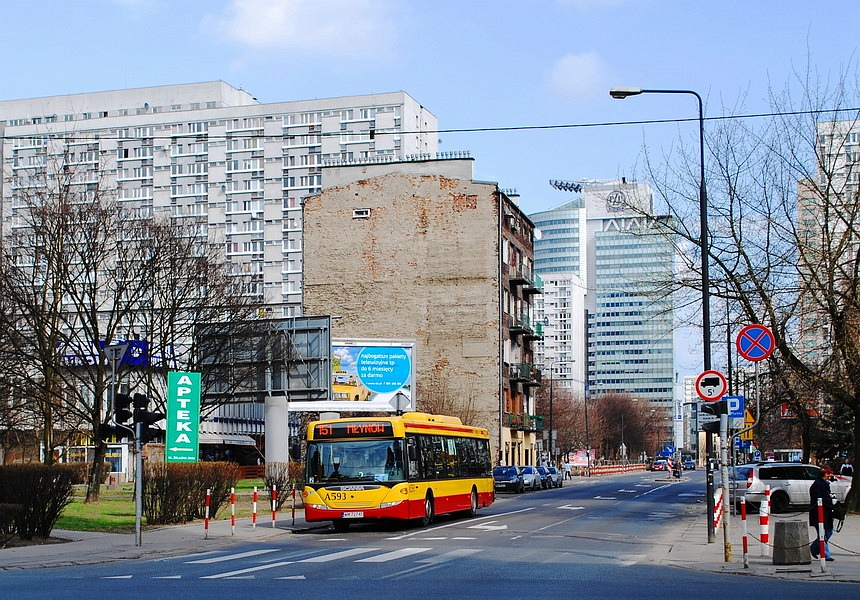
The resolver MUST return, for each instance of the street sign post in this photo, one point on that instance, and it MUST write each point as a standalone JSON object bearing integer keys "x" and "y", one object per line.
{"x": 183, "y": 417}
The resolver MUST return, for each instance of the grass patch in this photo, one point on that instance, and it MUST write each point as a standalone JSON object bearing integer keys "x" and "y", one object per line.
{"x": 114, "y": 512}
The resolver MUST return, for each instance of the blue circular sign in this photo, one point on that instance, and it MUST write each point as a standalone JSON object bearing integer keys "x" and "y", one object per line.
{"x": 755, "y": 342}
{"x": 383, "y": 369}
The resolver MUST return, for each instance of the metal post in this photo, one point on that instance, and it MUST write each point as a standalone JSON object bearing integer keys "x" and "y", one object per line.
{"x": 138, "y": 483}
{"x": 724, "y": 475}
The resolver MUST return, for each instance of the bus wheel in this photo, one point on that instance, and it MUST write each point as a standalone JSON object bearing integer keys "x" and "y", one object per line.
{"x": 340, "y": 525}
{"x": 428, "y": 511}
{"x": 473, "y": 508}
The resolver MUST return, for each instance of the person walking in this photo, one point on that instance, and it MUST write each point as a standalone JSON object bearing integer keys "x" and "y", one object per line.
{"x": 820, "y": 489}
{"x": 847, "y": 469}
{"x": 567, "y": 474}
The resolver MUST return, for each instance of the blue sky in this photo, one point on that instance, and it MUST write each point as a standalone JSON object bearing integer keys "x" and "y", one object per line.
{"x": 474, "y": 64}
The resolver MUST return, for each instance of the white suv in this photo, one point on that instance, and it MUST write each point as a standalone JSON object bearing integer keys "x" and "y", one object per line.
{"x": 789, "y": 484}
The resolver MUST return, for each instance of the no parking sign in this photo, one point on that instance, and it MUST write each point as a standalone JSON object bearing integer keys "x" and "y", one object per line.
{"x": 755, "y": 342}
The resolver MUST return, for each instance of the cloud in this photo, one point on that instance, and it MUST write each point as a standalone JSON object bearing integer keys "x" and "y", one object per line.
{"x": 340, "y": 28}
{"x": 578, "y": 77}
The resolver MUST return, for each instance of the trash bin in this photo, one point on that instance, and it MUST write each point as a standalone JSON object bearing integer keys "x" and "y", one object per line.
{"x": 791, "y": 543}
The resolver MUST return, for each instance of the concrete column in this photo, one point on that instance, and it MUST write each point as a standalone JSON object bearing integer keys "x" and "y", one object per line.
{"x": 277, "y": 423}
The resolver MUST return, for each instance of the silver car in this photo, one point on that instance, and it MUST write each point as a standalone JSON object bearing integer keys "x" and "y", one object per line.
{"x": 789, "y": 484}
{"x": 531, "y": 478}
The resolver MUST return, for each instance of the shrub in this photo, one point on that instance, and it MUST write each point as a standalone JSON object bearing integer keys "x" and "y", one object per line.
{"x": 81, "y": 471}
{"x": 42, "y": 491}
{"x": 176, "y": 492}
{"x": 8, "y": 512}
{"x": 284, "y": 476}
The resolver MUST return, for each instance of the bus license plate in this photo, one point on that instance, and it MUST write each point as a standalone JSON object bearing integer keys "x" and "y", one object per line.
{"x": 356, "y": 514}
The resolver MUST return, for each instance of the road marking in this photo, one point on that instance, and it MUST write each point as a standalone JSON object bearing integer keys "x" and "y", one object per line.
{"x": 569, "y": 507}
{"x": 169, "y": 577}
{"x": 457, "y": 523}
{"x": 248, "y": 570}
{"x": 605, "y": 498}
{"x": 393, "y": 555}
{"x": 118, "y": 577}
{"x": 217, "y": 559}
{"x": 626, "y": 491}
{"x": 337, "y": 555}
{"x": 660, "y": 487}
{"x": 292, "y": 577}
{"x": 488, "y": 526}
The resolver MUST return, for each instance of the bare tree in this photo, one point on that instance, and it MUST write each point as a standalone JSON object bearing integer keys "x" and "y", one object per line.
{"x": 784, "y": 215}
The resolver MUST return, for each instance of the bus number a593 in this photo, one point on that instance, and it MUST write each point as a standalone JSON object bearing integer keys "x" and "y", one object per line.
{"x": 336, "y": 496}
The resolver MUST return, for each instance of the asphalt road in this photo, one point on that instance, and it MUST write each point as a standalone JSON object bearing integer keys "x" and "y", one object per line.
{"x": 591, "y": 539}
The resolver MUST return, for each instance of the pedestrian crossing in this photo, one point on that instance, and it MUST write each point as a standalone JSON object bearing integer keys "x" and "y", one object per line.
{"x": 281, "y": 563}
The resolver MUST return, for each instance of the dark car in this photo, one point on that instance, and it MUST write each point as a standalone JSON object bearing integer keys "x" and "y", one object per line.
{"x": 545, "y": 481}
{"x": 556, "y": 477}
{"x": 689, "y": 463}
{"x": 508, "y": 479}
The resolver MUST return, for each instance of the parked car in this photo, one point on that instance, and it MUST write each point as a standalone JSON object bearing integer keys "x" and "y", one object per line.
{"x": 688, "y": 462}
{"x": 531, "y": 478}
{"x": 556, "y": 477}
{"x": 508, "y": 479}
{"x": 545, "y": 481}
{"x": 789, "y": 484}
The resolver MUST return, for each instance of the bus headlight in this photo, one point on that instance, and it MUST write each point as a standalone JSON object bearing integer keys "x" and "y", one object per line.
{"x": 318, "y": 506}
{"x": 390, "y": 504}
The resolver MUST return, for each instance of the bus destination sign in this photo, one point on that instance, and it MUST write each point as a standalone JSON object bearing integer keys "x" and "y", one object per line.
{"x": 354, "y": 429}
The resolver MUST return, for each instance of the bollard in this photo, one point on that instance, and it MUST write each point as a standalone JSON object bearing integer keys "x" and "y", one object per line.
{"x": 744, "y": 535}
{"x": 764, "y": 521}
{"x": 206, "y": 516}
{"x": 293, "y": 487}
{"x": 274, "y": 502}
{"x": 821, "y": 556}
{"x": 254, "y": 510}
{"x": 232, "y": 511}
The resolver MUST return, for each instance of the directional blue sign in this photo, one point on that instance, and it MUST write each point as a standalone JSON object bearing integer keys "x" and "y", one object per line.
{"x": 735, "y": 405}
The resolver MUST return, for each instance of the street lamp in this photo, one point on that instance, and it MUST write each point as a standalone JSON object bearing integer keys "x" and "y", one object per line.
{"x": 620, "y": 93}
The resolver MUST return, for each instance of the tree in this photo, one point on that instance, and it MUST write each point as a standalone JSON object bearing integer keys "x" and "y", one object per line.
{"x": 784, "y": 216}
{"x": 82, "y": 271}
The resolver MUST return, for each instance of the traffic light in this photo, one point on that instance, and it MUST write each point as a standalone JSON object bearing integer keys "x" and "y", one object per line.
{"x": 108, "y": 432}
{"x": 146, "y": 418}
{"x": 122, "y": 408}
{"x": 716, "y": 408}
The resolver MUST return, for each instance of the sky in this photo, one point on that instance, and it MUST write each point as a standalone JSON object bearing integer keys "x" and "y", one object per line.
{"x": 475, "y": 64}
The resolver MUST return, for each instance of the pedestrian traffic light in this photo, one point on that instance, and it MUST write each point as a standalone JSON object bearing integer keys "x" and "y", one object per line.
{"x": 146, "y": 418}
{"x": 122, "y": 408}
{"x": 108, "y": 432}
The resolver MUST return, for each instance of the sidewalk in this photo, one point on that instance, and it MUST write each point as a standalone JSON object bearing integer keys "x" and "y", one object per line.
{"x": 686, "y": 546}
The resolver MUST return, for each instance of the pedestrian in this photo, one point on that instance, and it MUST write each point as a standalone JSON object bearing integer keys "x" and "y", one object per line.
{"x": 820, "y": 489}
{"x": 847, "y": 468}
{"x": 567, "y": 474}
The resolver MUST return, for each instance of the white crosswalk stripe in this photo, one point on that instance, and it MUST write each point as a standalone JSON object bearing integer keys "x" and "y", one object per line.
{"x": 402, "y": 553}
{"x": 240, "y": 555}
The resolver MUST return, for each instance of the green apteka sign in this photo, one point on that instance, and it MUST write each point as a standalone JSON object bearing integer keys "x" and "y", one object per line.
{"x": 183, "y": 417}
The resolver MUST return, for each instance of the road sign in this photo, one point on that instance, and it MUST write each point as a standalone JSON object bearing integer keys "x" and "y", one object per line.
{"x": 183, "y": 417}
{"x": 755, "y": 342}
{"x": 711, "y": 385}
{"x": 735, "y": 405}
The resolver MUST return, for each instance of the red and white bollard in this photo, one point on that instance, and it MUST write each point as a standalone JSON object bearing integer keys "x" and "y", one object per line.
{"x": 232, "y": 511}
{"x": 206, "y": 516}
{"x": 744, "y": 534}
{"x": 764, "y": 522}
{"x": 718, "y": 509}
{"x": 274, "y": 503}
{"x": 254, "y": 510}
{"x": 821, "y": 542}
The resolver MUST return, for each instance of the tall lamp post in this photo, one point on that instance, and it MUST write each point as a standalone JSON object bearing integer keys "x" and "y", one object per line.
{"x": 619, "y": 93}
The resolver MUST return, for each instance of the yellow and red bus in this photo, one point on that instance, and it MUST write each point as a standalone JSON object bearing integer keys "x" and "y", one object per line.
{"x": 412, "y": 466}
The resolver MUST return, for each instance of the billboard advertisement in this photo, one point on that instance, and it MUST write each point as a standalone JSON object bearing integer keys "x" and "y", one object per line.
{"x": 372, "y": 375}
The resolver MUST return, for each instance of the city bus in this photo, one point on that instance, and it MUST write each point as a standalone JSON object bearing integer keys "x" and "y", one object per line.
{"x": 410, "y": 466}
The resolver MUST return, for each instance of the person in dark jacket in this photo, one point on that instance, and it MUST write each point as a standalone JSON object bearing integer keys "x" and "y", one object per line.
{"x": 820, "y": 488}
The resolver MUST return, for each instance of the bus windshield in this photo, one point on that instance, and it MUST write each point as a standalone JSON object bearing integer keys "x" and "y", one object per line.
{"x": 360, "y": 460}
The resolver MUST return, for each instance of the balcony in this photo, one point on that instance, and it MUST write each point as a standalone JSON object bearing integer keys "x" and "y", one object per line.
{"x": 520, "y": 275}
{"x": 537, "y": 334}
{"x": 535, "y": 286}
{"x": 523, "y": 422}
{"x": 520, "y": 325}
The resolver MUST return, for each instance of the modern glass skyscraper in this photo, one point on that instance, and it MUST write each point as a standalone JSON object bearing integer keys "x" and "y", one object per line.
{"x": 625, "y": 264}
